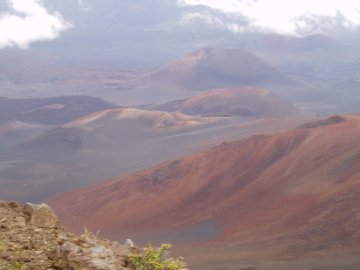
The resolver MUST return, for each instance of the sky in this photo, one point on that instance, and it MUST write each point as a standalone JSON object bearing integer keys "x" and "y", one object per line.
{"x": 26, "y": 21}
{"x": 289, "y": 16}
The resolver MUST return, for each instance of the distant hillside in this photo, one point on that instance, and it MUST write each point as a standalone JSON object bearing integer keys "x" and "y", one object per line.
{"x": 210, "y": 68}
{"x": 276, "y": 43}
{"x": 105, "y": 129}
{"x": 38, "y": 161}
{"x": 108, "y": 130}
{"x": 232, "y": 101}
{"x": 15, "y": 132}
{"x": 50, "y": 111}
{"x": 283, "y": 201}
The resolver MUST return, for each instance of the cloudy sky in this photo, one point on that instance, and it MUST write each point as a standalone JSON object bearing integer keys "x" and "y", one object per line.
{"x": 26, "y": 21}
{"x": 289, "y": 17}
{"x": 23, "y": 22}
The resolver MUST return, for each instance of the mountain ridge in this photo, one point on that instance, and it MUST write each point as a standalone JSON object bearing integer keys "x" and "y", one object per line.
{"x": 232, "y": 101}
{"x": 50, "y": 111}
{"x": 288, "y": 181}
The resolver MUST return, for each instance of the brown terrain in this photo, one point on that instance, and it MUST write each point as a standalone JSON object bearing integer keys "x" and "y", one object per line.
{"x": 283, "y": 201}
{"x": 210, "y": 67}
{"x": 106, "y": 127}
{"x": 50, "y": 111}
{"x": 38, "y": 161}
{"x": 151, "y": 120}
{"x": 203, "y": 69}
{"x": 206, "y": 69}
{"x": 38, "y": 74}
{"x": 31, "y": 237}
{"x": 233, "y": 101}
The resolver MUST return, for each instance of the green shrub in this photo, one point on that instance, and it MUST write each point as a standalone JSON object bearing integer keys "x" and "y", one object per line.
{"x": 14, "y": 266}
{"x": 156, "y": 259}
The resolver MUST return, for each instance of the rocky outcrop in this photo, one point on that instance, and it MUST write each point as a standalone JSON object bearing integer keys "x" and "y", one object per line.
{"x": 31, "y": 237}
{"x": 326, "y": 122}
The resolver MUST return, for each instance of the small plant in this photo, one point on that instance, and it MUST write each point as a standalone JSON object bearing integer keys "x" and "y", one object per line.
{"x": 156, "y": 259}
{"x": 15, "y": 266}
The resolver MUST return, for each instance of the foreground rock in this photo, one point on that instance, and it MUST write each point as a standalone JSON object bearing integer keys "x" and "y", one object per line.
{"x": 31, "y": 237}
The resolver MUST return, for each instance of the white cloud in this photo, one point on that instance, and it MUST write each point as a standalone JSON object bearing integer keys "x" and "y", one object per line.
{"x": 290, "y": 17}
{"x": 234, "y": 24}
{"x": 84, "y": 6}
{"x": 28, "y": 21}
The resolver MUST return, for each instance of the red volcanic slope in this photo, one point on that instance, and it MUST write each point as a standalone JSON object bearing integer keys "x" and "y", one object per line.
{"x": 210, "y": 68}
{"x": 288, "y": 196}
{"x": 239, "y": 101}
{"x": 148, "y": 119}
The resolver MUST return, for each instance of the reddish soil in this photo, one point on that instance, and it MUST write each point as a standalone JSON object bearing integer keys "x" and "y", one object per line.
{"x": 266, "y": 202}
{"x": 233, "y": 101}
